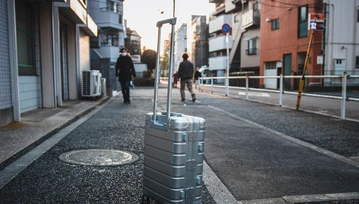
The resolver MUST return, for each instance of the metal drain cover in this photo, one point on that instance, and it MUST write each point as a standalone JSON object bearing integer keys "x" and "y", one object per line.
{"x": 98, "y": 157}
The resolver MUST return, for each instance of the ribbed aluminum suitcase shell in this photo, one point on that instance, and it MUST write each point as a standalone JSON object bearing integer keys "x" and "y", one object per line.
{"x": 173, "y": 162}
{"x": 174, "y": 144}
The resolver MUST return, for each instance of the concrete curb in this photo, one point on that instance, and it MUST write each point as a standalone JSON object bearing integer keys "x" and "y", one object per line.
{"x": 315, "y": 198}
{"x": 216, "y": 188}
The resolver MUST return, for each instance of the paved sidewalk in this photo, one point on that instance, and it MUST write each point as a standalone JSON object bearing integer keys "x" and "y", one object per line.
{"x": 19, "y": 137}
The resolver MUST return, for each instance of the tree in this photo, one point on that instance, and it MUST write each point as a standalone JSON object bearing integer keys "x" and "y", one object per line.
{"x": 149, "y": 57}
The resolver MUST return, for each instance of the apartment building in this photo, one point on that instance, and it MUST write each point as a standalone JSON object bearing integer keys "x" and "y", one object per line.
{"x": 245, "y": 53}
{"x": 217, "y": 40}
{"x": 180, "y": 45}
{"x": 133, "y": 44}
{"x": 284, "y": 39}
{"x": 197, "y": 41}
{"x": 341, "y": 40}
{"x": 45, "y": 46}
{"x": 108, "y": 15}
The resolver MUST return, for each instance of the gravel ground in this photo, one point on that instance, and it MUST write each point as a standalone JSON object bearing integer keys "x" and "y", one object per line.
{"x": 49, "y": 180}
{"x": 339, "y": 136}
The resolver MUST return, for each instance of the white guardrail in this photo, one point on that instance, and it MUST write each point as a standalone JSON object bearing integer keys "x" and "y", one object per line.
{"x": 343, "y": 77}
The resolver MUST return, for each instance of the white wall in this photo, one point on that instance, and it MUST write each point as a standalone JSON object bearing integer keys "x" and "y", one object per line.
{"x": 342, "y": 39}
{"x": 270, "y": 83}
{"x": 219, "y": 43}
{"x": 5, "y": 77}
{"x": 217, "y": 63}
{"x": 30, "y": 94}
{"x": 217, "y": 23}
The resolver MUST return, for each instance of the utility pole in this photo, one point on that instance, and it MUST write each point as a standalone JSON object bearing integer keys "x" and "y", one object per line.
{"x": 174, "y": 7}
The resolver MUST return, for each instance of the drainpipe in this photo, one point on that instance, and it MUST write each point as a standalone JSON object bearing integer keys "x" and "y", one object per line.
{"x": 13, "y": 61}
{"x": 355, "y": 36}
{"x": 324, "y": 34}
{"x": 330, "y": 35}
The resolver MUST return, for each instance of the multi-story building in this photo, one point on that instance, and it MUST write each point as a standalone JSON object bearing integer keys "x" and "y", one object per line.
{"x": 244, "y": 56}
{"x": 108, "y": 15}
{"x": 197, "y": 41}
{"x": 180, "y": 45}
{"x": 341, "y": 50}
{"x": 165, "y": 58}
{"x": 217, "y": 40}
{"x": 284, "y": 39}
{"x": 133, "y": 44}
{"x": 45, "y": 46}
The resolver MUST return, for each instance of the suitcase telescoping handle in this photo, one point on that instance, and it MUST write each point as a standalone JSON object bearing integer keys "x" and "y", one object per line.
{"x": 171, "y": 21}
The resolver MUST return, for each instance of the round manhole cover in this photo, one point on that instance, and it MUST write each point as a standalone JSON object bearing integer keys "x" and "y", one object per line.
{"x": 98, "y": 157}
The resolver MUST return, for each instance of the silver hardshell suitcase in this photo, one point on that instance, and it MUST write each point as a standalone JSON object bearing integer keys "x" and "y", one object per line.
{"x": 174, "y": 144}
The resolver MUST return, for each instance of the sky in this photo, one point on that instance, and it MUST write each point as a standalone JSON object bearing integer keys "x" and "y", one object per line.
{"x": 142, "y": 16}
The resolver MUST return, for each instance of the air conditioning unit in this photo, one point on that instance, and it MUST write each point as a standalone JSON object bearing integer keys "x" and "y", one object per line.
{"x": 91, "y": 83}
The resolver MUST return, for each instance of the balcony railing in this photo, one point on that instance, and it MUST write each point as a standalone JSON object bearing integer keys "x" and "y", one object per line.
{"x": 115, "y": 10}
{"x": 251, "y": 51}
{"x": 112, "y": 42}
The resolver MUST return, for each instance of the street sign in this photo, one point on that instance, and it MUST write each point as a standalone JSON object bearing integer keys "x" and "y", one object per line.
{"x": 315, "y": 21}
{"x": 226, "y": 28}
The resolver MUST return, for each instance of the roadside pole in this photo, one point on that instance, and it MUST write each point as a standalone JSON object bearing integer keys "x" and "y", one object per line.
{"x": 227, "y": 68}
{"x": 301, "y": 83}
{"x": 315, "y": 22}
{"x": 225, "y": 30}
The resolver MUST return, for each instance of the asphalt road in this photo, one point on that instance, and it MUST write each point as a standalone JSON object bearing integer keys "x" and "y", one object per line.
{"x": 252, "y": 161}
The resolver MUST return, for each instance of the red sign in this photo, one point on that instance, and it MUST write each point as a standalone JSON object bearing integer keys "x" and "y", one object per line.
{"x": 316, "y": 21}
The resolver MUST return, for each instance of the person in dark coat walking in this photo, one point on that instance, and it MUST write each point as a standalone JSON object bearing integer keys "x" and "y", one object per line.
{"x": 197, "y": 75}
{"x": 125, "y": 71}
{"x": 185, "y": 74}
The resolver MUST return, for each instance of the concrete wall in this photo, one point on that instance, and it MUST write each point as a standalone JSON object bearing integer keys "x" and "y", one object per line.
{"x": 84, "y": 52}
{"x": 47, "y": 64}
{"x": 250, "y": 60}
{"x": 71, "y": 38}
{"x": 342, "y": 39}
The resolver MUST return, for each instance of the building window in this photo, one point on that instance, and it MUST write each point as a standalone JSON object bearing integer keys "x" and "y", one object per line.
{"x": 255, "y": 6}
{"x": 252, "y": 46}
{"x": 270, "y": 65}
{"x": 237, "y": 18}
{"x": 303, "y": 21}
{"x": 275, "y": 24}
{"x": 25, "y": 37}
{"x": 357, "y": 15}
{"x": 357, "y": 62}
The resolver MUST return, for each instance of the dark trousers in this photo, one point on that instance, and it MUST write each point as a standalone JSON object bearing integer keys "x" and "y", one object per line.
{"x": 125, "y": 86}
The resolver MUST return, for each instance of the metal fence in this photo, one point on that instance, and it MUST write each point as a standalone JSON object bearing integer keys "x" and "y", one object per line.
{"x": 343, "y": 77}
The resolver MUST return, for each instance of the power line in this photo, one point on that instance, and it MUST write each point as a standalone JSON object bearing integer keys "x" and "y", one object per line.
{"x": 311, "y": 5}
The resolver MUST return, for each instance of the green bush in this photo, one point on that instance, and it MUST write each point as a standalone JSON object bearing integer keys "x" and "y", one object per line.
{"x": 144, "y": 82}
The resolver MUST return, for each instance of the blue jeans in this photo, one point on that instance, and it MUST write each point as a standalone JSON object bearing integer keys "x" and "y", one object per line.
{"x": 125, "y": 86}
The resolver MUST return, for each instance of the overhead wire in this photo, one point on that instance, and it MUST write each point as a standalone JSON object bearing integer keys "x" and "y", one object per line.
{"x": 311, "y": 5}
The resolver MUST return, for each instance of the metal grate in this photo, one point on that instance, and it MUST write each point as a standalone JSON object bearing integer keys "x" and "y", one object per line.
{"x": 86, "y": 83}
